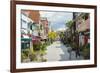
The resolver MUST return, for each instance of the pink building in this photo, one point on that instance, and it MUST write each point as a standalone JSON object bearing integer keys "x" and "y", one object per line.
{"x": 83, "y": 28}
{"x": 44, "y": 28}
{"x": 83, "y": 25}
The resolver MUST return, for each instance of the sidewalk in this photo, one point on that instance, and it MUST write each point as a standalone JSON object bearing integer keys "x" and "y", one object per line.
{"x": 59, "y": 52}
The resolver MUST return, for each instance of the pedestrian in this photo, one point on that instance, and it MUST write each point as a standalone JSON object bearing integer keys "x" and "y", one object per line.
{"x": 77, "y": 52}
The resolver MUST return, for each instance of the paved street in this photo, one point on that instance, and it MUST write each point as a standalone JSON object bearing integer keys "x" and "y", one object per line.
{"x": 59, "y": 52}
{"x": 40, "y": 28}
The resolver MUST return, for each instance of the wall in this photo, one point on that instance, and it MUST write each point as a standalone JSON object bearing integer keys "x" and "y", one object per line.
{"x": 34, "y": 15}
{"x": 5, "y": 36}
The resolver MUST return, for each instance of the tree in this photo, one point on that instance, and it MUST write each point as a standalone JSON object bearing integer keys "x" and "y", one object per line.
{"x": 69, "y": 23}
{"x": 52, "y": 35}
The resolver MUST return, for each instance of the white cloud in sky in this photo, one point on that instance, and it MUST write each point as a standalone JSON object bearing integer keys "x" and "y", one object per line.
{"x": 57, "y": 19}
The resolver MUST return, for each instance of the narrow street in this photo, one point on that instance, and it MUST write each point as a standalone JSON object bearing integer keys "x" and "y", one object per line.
{"x": 59, "y": 52}
{"x": 64, "y": 37}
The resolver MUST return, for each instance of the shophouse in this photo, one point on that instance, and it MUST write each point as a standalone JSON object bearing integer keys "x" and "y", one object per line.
{"x": 44, "y": 28}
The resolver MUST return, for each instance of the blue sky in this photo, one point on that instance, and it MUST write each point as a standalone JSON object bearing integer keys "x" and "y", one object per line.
{"x": 57, "y": 19}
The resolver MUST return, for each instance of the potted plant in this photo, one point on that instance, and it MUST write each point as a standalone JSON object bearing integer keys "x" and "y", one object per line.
{"x": 86, "y": 51}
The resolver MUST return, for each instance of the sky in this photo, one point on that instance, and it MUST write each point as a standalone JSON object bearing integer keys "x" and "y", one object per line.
{"x": 57, "y": 20}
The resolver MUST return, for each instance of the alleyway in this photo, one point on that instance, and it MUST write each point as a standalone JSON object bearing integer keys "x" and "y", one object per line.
{"x": 39, "y": 29}
{"x": 59, "y": 52}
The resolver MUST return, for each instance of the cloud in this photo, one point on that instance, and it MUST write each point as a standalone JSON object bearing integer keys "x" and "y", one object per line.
{"x": 57, "y": 19}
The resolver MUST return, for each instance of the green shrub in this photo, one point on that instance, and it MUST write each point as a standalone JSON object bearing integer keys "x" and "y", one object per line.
{"x": 86, "y": 51}
{"x": 24, "y": 54}
{"x": 36, "y": 47}
{"x": 43, "y": 46}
